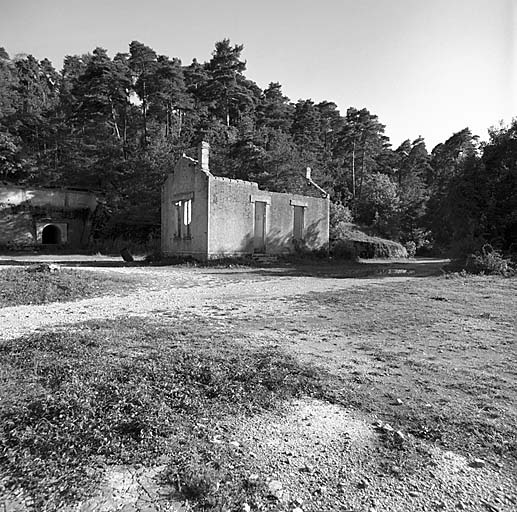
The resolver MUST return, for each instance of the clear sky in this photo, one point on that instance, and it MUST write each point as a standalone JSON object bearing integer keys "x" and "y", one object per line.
{"x": 425, "y": 67}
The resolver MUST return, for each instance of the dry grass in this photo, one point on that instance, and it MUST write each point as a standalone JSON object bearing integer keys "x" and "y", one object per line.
{"x": 38, "y": 285}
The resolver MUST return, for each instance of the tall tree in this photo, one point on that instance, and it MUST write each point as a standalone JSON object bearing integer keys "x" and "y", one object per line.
{"x": 142, "y": 62}
{"x": 361, "y": 142}
{"x": 447, "y": 162}
{"x": 274, "y": 110}
{"x": 168, "y": 98}
{"x": 227, "y": 85}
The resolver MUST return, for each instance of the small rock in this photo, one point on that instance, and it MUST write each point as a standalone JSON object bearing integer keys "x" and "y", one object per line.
{"x": 414, "y": 494}
{"x": 234, "y": 444}
{"x": 275, "y": 489}
{"x": 298, "y": 502}
{"x": 388, "y": 428}
{"x": 399, "y": 436}
{"x": 246, "y": 507}
{"x": 253, "y": 479}
{"x": 477, "y": 463}
{"x": 297, "y": 509}
{"x": 307, "y": 468}
{"x": 362, "y": 484}
{"x": 398, "y": 401}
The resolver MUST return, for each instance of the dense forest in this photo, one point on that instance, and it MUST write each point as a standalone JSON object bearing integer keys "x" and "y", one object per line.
{"x": 117, "y": 125}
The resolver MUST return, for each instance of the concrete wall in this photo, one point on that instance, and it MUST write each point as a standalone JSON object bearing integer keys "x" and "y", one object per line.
{"x": 231, "y": 217}
{"x": 186, "y": 182}
{"x": 16, "y": 228}
{"x": 25, "y": 212}
{"x": 21, "y": 229}
{"x": 281, "y": 223}
{"x": 46, "y": 197}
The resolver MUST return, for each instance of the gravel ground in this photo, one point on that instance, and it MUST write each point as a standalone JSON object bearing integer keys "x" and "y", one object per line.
{"x": 314, "y": 456}
{"x": 169, "y": 292}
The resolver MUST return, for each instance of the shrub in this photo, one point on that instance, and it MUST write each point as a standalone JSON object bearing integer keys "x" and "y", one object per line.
{"x": 489, "y": 261}
{"x": 340, "y": 218}
{"x": 410, "y": 248}
{"x": 353, "y": 244}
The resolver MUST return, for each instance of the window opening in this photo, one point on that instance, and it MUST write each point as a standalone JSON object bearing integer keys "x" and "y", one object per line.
{"x": 183, "y": 211}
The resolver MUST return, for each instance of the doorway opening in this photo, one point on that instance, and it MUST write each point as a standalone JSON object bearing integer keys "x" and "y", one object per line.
{"x": 259, "y": 244}
{"x": 51, "y": 235}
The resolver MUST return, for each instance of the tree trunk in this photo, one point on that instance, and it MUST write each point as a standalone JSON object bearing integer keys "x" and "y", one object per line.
{"x": 144, "y": 112}
{"x": 114, "y": 117}
{"x": 362, "y": 171}
{"x": 125, "y": 134}
{"x": 180, "y": 123}
{"x": 167, "y": 120}
{"x": 353, "y": 170}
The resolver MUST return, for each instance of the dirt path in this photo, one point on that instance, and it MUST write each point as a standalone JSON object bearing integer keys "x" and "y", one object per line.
{"x": 172, "y": 291}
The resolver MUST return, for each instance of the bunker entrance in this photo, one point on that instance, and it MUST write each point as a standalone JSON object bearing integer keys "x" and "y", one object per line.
{"x": 51, "y": 235}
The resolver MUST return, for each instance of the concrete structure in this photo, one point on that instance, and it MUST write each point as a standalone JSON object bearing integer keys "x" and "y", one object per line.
{"x": 206, "y": 216}
{"x": 32, "y": 217}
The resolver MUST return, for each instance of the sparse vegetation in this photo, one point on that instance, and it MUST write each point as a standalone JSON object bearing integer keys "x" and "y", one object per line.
{"x": 40, "y": 284}
{"x": 434, "y": 357}
{"x": 489, "y": 261}
{"x": 76, "y": 399}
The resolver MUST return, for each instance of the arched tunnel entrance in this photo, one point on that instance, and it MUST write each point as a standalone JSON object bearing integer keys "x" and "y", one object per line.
{"x": 51, "y": 234}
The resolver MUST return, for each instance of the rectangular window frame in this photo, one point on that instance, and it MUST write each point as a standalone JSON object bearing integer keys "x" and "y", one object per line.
{"x": 183, "y": 219}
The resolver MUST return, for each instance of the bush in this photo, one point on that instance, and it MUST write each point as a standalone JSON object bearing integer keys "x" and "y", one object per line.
{"x": 410, "y": 248}
{"x": 353, "y": 244}
{"x": 340, "y": 218}
{"x": 489, "y": 261}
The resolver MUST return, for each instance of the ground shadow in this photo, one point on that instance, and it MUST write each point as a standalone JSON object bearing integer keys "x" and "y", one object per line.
{"x": 364, "y": 269}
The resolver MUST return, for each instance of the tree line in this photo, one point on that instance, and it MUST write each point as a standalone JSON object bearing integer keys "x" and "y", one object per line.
{"x": 117, "y": 125}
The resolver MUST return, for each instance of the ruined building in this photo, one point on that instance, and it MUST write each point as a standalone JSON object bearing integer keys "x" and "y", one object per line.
{"x": 207, "y": 216}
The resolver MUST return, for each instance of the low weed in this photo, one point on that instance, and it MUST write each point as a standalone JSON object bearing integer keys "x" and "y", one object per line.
{"x": 29, "y": 285}
{"x": 126, "y": 394}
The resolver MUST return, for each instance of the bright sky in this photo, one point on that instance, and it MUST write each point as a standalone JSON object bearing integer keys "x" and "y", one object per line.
{"x": 425, "y": 67}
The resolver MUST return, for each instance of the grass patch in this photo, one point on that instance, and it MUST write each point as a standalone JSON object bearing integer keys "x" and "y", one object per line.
{"x": 35, "y": 285}
{"x": 126, "y": 393}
